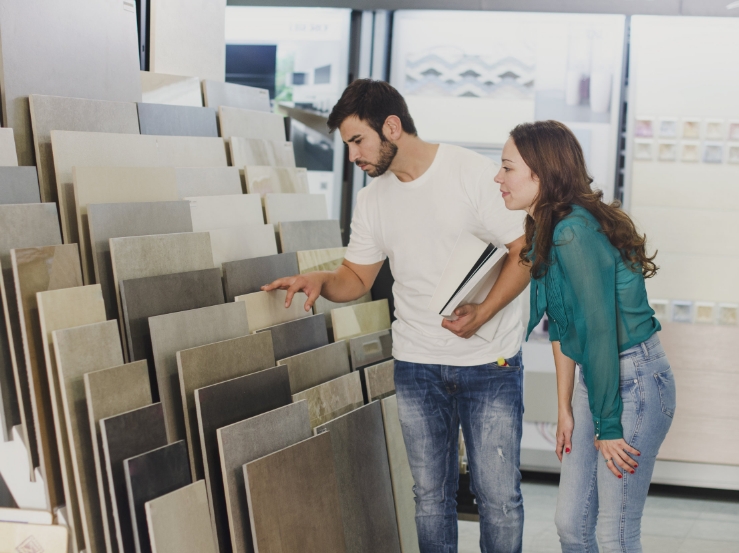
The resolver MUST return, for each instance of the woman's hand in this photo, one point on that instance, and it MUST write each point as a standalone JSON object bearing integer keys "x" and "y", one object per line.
{"x": 565, "y": 426}
{"x": 470, "y": 318}
{"x": 615, "y": 452}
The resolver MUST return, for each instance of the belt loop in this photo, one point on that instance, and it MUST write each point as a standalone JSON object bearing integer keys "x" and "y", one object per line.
{"x": 645, "y": 350}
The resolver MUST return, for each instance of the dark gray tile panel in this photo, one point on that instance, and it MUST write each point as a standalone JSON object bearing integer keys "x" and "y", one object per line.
{"x": 298, "y": 336}
{"x": 371, "y": 348}
{"x": 249, "y": 275}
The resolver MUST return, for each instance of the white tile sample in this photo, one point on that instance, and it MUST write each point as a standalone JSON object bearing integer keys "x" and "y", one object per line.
{"x": 174, "y": 90}
{"x": 254, "y": 151}
{"x": 247, "y": 123}
{"x": 244, "y": 242}
{"x": 8, "y": 157}
{"x": 265, "y": 309}
{"x": 216, "y": 212}
{"x": 294, "y": 207}
{"x": 265, "y": 179}
{"x": 218, "y": 93}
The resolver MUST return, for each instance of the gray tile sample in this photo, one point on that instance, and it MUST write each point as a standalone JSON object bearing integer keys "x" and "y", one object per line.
{"x": 247, "y": 441}
{"x": 213, "y": 363}
{"x": 248, "y": 123}
{"x": 294, "y": 499}
{"x": 363, "y": 476}
{"x": 540, "y": 402}
{"x": 333, "y": 398}
{"x": 371, "y": 348}
{"x": 247, "y": 276}
{"x": 217, "y": 93}
{"x": 117, "y": 220}
{"x": 317, "y": 366}
{"x": 160, "y": 295}
{"x": 226, "y": 403}
{"x": 188, "y": 329}
{"x": 380, "y": 380}
{"x": 151, "y": 475}
{"x": 163, "y": 119}
{"x": 19, "y": 185}
{"x": 125, "y": 436}
{"x": 8, "y": 156}
{"x": 298, "y": 336}
{"x": 297, "y": 236}
{"x": 257, "y": 151}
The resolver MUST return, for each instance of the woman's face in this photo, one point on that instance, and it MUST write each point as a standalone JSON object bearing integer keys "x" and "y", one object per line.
{"x": 518, "y": 185}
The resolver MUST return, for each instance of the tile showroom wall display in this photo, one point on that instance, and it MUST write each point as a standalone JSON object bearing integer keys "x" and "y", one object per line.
{"x": 297, "y": 236}
{"x": 179, "y": 522}
{"x": 188, "y": 329}
{"x": 247, "y": 441}
{"x": 8, "y": 157}
{"x": 207, "y": 181}
{"x": 111, "y": 392}
{"x": 119, "y": 220}
{"x": 245, "y": 242}
{"x": 213, "y": 363}
{"x": 363, "y": 477}
{"x": 70, "y": 57}
{"x": 356, "y": 320}
{"x": 247, "y": 123}
{"x": 173, "y": 90}
{"x": 249, "y": 275}
{"x": 19, "y": 185}
{"x": 217, "y": 93}
{"x": 42, "y": 537}
{"x": 380, "y": 380}
{"x": 167, "y": 120}
{"x": 226, "y": 403}
{"x": 294, "y": 499}
{"x": 294, "y": 207}
{"x": 73, "y": 114}
{"x": 333, "y": 398}
{"x": 79, "y": 351}
{"x": 263, "y": 179}
{"x": 265, "y": 309}
{"x": 125, "y": 436}
{"x": 371, "y": 348}
{"x": 257, "y": 151}
{"x": 151, "y": 475}
{"x": 215, "y": 212}
{"x": 298, "y": 336}
{"x": 317, "y": 366}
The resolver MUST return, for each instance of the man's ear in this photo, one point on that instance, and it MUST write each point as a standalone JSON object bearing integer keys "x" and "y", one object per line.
{"x": 392, "y": 129}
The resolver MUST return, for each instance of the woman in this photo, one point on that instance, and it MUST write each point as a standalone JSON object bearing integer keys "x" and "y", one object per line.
{"x": 588, "y": 266}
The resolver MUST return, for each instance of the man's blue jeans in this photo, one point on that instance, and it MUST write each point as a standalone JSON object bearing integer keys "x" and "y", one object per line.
{"x": 487, "y": 400}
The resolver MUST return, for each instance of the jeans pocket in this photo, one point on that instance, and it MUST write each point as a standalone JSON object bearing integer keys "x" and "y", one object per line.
{"x": 666, "y": 386}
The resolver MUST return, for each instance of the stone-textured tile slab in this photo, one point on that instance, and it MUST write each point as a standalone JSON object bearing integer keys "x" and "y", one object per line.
{"x": 213, "y": 363}
{"x": 363, "y": 476}
{"x": 333, "y": 398}
{"x": 226, "y": 403}
{"x": 207, "y": 181}
{"x": 265, "y": 309}
{"x": 151, "y": 475}
{"x": 124, "y": 436}
{"x": 317, "y": 366}
{"x": 239, "y": 243}
{"x": 401, "y": 477}
{"x": 247, "y": 276}
{"x": 78, "y": 351}
{"x": 380, "y": 380}
{"x": 8, "y": 157}
{"x": 356, "y": 320}
{"x": 19, "y": 185}
{"x": 41, "y": 537}
{"x": 294, "y": 207}
{"x": 216, "y": 94}
{"x": 294, "y": 499}
{"x": 297, "y": 236}
{"x": 257, "y": 151}
{"x": 119, "y": 220}
{"x": 370, "y": 349}
{"x": 179, "y": 522}
{"x": 298, "y": 336}
{"x": 188, "y": 329}
{"x": 247, "y": 441}
{"x": 167, "y": 120}
{"x": 215, "y": 212}
{"x": 263, "y": 179}
{"x": 247, "y": 123}
{"x": 540, "y": 402}
{"x": 73, "y": 114}
{"x": 173, "y": 90}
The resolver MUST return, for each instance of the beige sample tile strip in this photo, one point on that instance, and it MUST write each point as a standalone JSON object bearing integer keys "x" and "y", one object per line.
{"x": 295, "y": 207}
{"x": 317, "y": 366}
{"x": 694, "y": 439}
{"x": 380, "y": 380}
{"x": 173, "y": 90}
{"x": 261, "y": 179}
{"x": 265, "y": 309}
{"x": 8, "y": 157}
{"x": 22, "y": 537}
{"x": 218, "y": 93}
{"x": 257, "y": 151}
{"x": 207, "y": 181}
{"x": 357, "y": 320}
{"x": 27, "y": 516}
{"x": 246, "y": 242}
{"x": 247, "y": 123}
{"x": 332, "y": 399}
{"x": 217, "y": 212}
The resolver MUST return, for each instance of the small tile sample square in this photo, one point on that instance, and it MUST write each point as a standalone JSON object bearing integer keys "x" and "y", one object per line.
{"x": 19, "y": 185}
{"x": 226, "y": 403}
{"x": 356, "y": 320}
{"x": 643, "y": 150}
{"x": 8, "y": 156}
{"x": 734, "y": 130}
{"x": 294, "y": 207}
{"x": 682, "y": 311}
{"x": 173, "y": 90}
{"x": 298, "y": 336}
{"x": 691, "y": 128}
{"x": 265, "y": 309}
{"x": 245, "y": 242}
{"x": 715, "y": 129}
{"x": 294, "y": 499}
{"x": 705, "y": 312}
{"x": 733, "y": 157}
{"x": 728, "y": 313}
{"x": 668, "y": 127}
{"x": 309, "y": 235}
{"x": 215, "y": 212}
{"x": 247, "y": 441}
{"x": 247, "y": 276}
{"x": 690, "y": 152}
{"x": 247, "y": 123}
{"x": 333, "y": 398}
{"x": 257, "y": 151}
{"x": 661, "y": 309}
{"x": 45, "y": 538}
{"x": 644, "y": 127}
{"x": 263, "y": 179}
{"x": 317, "y": 366}
{"x": 713, "y": 152}
{"x": 380, "y": 380}
{"x": 667, "y": 150}
{"x": 371, "y": 348}
{"x": 164, "y": 119}
{"x": 218, "y": 94}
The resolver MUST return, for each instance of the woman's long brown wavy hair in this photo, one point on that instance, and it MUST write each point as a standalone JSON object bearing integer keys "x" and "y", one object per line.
{"x": 554, "y": 155}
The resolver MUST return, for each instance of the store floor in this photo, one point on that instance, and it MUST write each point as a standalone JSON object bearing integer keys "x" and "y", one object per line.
{"x": 675, "y": 521}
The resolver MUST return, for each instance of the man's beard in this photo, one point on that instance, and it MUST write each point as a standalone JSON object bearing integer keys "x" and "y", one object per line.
{"x": 388, "y": 151}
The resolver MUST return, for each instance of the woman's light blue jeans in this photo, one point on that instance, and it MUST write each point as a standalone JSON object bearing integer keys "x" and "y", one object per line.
{"x": 589, "y": 492}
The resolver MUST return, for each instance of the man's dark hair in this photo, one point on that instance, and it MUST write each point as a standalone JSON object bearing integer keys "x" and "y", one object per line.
{"x": 372, "y": 102}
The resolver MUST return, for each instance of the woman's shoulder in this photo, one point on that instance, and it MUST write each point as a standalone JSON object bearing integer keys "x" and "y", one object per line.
{"x": 579, "y": 222}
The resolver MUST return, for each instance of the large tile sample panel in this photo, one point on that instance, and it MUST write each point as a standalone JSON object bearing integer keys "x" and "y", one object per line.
{"x": 317, "y": 366}
{"x": 363, "y": 476}
{"x": 125, "y": 436}
{"x": 213, "y": 363}
{"x": 380, "y": 380}
{"x": 41, "y": 537}
{"x": 166, "y": 120}
{"x": 371, "y": 348}
{"x": 540, "y": 402}
{"x": 56, "y": 113}
{"x": 247, "y": 276}
{"x": 111, "y": 392}
{"x": 173, "y": 90}
{"x": 8, "y": 156}
{"x": 294, "y": 499}
{"x": 357, "y": 320}
{"x": 247, "y": 441}
{"x": 151, "y": 475}
{"x": 298, "y": 336}
{"x": 333, "y": 398}
{"x": 207, "y": 181}
{"x": 79, "y": 351}
{"x": 64, "y": 49}
{"x": 215, "y": 212}
{"x": 179, "y": 522}
{"x": 258, "y": 151}
{"x": 19, "y": 185}
{"x": 246, "y": 123}
{"x": 265, "y": 309}
{"x": 218, "y": 93}
{"x": 188, "y": 329}
{"x": 263, "y": 179}
{"x": 239, "y": 243}
{"x": 226, "y": 403}
{"x": 297, "y": 236}
{"x": 294, "y": 207}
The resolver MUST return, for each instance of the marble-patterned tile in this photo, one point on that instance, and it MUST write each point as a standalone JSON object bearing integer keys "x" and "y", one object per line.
{"x": 179, "y": 521}
{"x": 213, "y": 363}
{"x": 317, "y": 366}
{"x": 371, "y": 348}
{"x": 247, "y": 123}
{"x": 263, "y": 179}
{"x": 168, "y": 120}
{"x": 207, "y": 181}
{"x": 380, "y": 380}
{"x": 333, "y": 398}
{"x": 8, "y": 156}
{"x": 356, "y": 320}
{"x": 247, "y": 441}
{"x": 245, "y": 242}
{"x": 247, "y": 276}
{"x": 110, "y": 392}
{"x": 173, "y": 90}
{"x": 217, "y": 93}
{"x": 324, "y": 259}
{"x": 265, "y": 309}
{"x": 188, "y": 329}
{"x": 48, "y": 538}
{"x": 151, "y": 475}
{"x": 226, "y": 403}
{"x": 19, "y": 185}
{"x": 539, "y": 397}
{"x": 363, "y": 476}
{"x": 294, "y": 499}
{"x": 78, "y": 351}
{"x": 294, "y": 207}
{"x": 297, "y": 236}
{"x": 124, "y": 436}
{"x": 216, "y": 212}
{"x": 257, "y": 151}
{"x": 299, "y": 336}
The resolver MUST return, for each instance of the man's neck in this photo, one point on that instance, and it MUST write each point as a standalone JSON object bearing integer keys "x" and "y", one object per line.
{"x": 413, "y": 159}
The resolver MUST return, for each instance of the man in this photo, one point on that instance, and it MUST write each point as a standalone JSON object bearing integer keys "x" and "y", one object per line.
{"x": 423, "y": 195}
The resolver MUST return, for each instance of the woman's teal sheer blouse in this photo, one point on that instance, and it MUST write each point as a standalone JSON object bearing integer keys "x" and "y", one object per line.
{"x": 597, "y": 308}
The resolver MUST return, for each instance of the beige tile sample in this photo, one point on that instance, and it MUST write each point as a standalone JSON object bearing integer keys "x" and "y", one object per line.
{"x": 333, "y": 398}
{"x": 247, "y": 123}
{"x": 380, "y": 380}
{"x": 175, "y": 90}
{"x": 8, "y": 157}
{"x": 263, "y": 179}
{"x": 247, "y": 242}
{"x": 216, "y": 212}
{"x": 294, "y": 207}
{"x": 257, "y": 151}
{"x": 317, "y": 366}
{"x": 44, "y": 538}
{"x": 26, "y": 516}
{"x": 207, "y": 181}
{"x": 265, "y": 309}
{"x": 357, "y": 320}
{"x": 218, "y": 93}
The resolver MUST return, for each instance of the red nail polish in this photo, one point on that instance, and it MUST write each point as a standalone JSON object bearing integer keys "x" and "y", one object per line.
{"x": 567, "y": 450}
{"x": 632, "y": 472}
{"x": 620, "y": 476}
{"x": 638, "y": 454}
